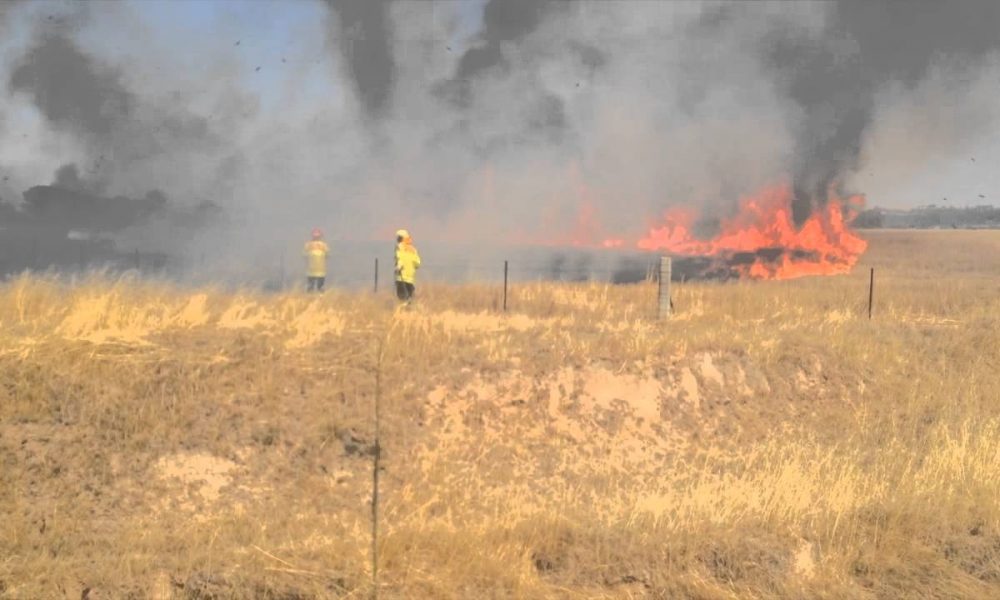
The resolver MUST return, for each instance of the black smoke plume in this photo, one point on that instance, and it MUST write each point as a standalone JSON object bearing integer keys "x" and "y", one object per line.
{"x": 866, "y": 46}
{"x": 363, "y": 36}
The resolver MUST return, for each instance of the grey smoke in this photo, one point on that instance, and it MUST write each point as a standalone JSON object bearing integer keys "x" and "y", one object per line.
{"x": 504, "y": 21}
{"x": 128, "y": 147}
{"x": 379, "y": 115}
{"x": 70, "y": 89}
{"x": 130, "y": 140}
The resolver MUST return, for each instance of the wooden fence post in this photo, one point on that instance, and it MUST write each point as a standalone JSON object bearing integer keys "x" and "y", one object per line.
{"x": 663, "y": 310}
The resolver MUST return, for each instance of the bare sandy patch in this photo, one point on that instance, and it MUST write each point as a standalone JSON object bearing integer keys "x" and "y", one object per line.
{"x": 205, "y": 473}
{"x": 709, "y": 371}
{"x": 804, "y": 564}
{"x": 688, "y": 386}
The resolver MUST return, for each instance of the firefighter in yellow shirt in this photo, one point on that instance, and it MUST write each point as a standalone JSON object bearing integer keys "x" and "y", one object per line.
{"x": 315, "y": 254}
{"x": 407, "y": 263}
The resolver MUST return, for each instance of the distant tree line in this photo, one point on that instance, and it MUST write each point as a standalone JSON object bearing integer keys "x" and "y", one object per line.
{"x": 931, "y": 217}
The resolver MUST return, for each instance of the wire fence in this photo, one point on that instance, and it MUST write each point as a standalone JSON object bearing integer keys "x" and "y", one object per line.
{"x": 351, "y": 265}
{"x": 354, "y": 276}
{"x": 354, "y": 270}
{"x": 457, "y": 272}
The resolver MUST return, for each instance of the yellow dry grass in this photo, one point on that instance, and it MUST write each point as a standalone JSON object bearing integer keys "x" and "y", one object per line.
{"x": 768, "y": 442}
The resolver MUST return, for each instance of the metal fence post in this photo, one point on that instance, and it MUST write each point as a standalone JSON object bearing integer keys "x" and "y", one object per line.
{"x": 871, "y": 292}
{"x": 505, "y": 286}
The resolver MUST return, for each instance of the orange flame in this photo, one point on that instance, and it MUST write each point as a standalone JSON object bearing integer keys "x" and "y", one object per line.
{"x": 761, "y": 240}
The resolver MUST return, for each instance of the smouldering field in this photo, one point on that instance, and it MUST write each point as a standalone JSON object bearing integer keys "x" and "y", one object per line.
{"x": 768, "y": 442}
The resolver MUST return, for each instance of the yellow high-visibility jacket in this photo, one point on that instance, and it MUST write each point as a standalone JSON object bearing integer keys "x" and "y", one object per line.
{"x": 407, "y": 263}
{"x": 315, "y": 253}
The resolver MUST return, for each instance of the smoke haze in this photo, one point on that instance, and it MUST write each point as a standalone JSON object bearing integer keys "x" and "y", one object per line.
{"x": 222, "y": 132}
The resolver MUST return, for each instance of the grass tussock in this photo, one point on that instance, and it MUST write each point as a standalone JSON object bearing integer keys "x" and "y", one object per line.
{"x": 769, "y": 441}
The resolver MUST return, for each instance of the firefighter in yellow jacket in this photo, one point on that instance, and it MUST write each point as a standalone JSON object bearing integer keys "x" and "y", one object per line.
{"x": 315, "y": 253}
{"x": 407, "y": 263}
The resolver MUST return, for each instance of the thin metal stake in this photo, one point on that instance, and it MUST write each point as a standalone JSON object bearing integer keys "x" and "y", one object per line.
{"x": 505, "y": 286}
{"x": 376, "y": 459}
{"x": 871, "y": 292}
{"x": 376, "y": 275}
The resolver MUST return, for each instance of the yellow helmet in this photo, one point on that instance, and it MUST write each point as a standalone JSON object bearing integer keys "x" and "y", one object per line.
{"x": 402, "y": 233}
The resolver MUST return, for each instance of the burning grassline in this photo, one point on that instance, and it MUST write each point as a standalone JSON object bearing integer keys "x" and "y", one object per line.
{"x": 762, "y": 241}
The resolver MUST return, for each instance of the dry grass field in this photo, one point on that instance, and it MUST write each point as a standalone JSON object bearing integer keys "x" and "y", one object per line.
{"x": 767, "y": 442}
